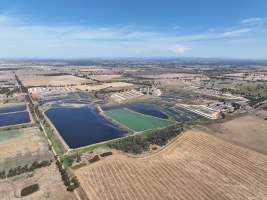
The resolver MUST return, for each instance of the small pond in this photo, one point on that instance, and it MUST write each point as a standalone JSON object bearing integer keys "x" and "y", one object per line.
{"x": 13, "y": 109}
{"x": 29, "y": 190}
{"x": 14, "y": 118}
{"x": 144, "y": 108}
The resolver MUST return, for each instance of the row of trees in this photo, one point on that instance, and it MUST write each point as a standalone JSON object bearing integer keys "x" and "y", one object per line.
{"x": 140, "y": 143}
{"x": 26, "y": 168}
{"x": 70, "y": 182}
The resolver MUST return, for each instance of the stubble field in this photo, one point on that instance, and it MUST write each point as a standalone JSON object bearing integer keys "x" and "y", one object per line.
{"x": 197, "y": 166}
{"x": 249, "y": 131}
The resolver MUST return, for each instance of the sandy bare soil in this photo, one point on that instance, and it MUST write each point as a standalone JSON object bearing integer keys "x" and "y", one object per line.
{"x": 105, "y": 77}
{"x": 248, "y": 131}
{"x": 249, "y": 76}
{"x": 102, "y": 86}
{"x": 177, "y": 75}
{"x": 50, "y": 185}
{"x": 196, "y": 166}
{"x": 39, "y": 80}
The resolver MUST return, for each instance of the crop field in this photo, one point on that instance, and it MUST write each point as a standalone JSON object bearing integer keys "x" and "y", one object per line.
{"x": 136, "y": 121}
{"x": 103, "y": 86}
{"x": 249, "y": 131}
{"x": 33, "y": 80}
{"x": 196, "y": 166}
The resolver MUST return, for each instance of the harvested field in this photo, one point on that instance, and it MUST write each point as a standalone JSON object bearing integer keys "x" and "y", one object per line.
{"x": 103, "y": 86}
{"x": 105, "y": 77}
{"x": 249, "y": 131}
{"x": 195, "y": 166}
{"x": 50, "y": 185}
{"x": 136, "y": 121}
{"x": 39, "y": 80}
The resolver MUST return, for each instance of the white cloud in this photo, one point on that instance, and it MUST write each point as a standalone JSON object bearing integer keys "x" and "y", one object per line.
{"x": 256, "y": 20}
{"x": 20, "y": 38}
{"x": 236, "y": 32}
{"x": 179, "y": 50}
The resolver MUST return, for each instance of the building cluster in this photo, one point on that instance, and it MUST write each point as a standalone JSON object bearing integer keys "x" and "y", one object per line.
{"x": 126, "y": 95}
{"x": 151, "y": 91}
{"x": 202, "y": 110}
{"x": 43, "y": 91}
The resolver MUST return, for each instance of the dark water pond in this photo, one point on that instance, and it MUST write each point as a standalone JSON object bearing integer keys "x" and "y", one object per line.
{"x": 174, "y": 97}
{"x": 14, "y": 118}
{"x": 181, "y": 115}
{"x": 147, "y": 109}
{"x": 83, "y": 126}
{"x": 29, "y": 190}
{"x": 75, "y": 97}
{"x": 13, "y": 109}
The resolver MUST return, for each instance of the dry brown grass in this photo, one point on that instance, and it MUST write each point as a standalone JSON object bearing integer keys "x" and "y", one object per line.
{"x": 29, "y": 140}
{"x": 103, "y": 86}
{"x": 50, "y": 184}
{"x": 105, "y": 77}
{"x": 248, "y": 131}
{"x": 31, "y": 80}
{"x": 196, "y": 166}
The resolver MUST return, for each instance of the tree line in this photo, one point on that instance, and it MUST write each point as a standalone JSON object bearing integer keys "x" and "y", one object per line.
{"x": 140, "y": 143}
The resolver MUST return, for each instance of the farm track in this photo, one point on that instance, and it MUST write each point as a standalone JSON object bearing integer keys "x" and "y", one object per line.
{"x": 196, "y": 166}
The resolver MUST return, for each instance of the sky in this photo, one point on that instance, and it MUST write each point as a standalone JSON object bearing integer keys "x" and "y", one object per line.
{"x": 71, "y": 29}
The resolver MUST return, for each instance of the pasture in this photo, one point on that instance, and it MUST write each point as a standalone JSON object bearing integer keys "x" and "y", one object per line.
{"x": 22, "y": 146}
{"x": 136, "y": 121}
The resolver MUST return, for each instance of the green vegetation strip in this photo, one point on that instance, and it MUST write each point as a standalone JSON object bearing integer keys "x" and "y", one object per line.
{"x": 137, "y": 121}
{"x": 6, "y": 135}
{"x": 140, "y": 143}
{"x": 58, "y": 147}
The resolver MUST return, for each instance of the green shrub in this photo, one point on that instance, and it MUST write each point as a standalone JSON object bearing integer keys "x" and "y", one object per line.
{"x": 139, "y": 144}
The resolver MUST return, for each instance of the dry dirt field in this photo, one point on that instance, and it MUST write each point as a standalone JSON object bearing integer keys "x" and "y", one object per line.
{"x": 50, "y": 185}
{"x": 102, "y": 86}
{"x": 31, "y": 80}
{"x": 249, "y": 131}
{"x": 27, "y": 140}
{"x": 105, "y": 77}
{"x": 197, "y": 166}
{"x": 178, "y": 75}
{"x": 23, "y": 146}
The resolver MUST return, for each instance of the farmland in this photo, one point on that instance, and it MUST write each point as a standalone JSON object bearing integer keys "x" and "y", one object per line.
{"x": 248, "y": 131}
{"x": 34, "y": 80}
{"x": 48, "y": 180}
{"x": 136, "y": 121}
{"x": 22, "y": 146}
{"x": 196, "y": 166}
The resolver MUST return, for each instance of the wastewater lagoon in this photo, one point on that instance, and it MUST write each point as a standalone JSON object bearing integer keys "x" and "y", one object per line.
{"x": 16, "y": 118}
{"x": 83, "y": 126}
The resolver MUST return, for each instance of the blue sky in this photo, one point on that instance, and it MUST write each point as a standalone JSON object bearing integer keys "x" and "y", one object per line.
{"x": 133, "y": 28}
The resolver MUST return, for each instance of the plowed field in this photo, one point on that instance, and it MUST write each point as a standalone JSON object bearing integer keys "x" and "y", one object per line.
{"x": 197, "y": 166}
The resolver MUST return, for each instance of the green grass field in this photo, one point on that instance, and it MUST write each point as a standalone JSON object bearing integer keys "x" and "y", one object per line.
{"x": 136, "y": 121}
{"x": 7, "y": 135}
